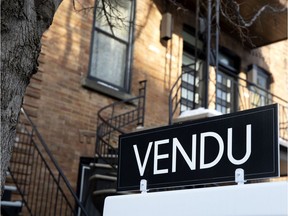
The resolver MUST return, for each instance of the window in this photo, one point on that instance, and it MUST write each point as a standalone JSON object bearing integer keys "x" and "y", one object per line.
{"x": 192, "y": 70}
{"x": 110, "y": 60}
{"x": 226, "y": 82}
{"x": 263, "y": 83}
{"x": 259, "y": 87}
{"x": 224, "y": 93}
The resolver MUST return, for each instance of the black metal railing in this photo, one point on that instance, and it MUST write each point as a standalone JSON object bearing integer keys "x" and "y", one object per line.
{"x": 178, "y": 101}
{"x": 116, "y": 119}
{"x": 41, "y": 183}
{"x": 245, "y": 95}
{"x": 249, "y": 96}
{"x": 197, "y": 94}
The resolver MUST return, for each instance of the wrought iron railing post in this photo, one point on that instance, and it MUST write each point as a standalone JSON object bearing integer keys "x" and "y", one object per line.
{"x": 170, "y": 109}
{"x": 57, "y": 190}
{"x": 141, "y": 103}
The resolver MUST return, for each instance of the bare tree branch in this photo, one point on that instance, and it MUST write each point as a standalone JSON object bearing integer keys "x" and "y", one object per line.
{"x": 231, "y": 11}
{"x": 108, "y": 12}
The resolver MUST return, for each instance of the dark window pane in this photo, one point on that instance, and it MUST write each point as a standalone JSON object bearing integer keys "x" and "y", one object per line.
{"x": 192, "y": 72}
{"x": 119, "y": 21}
{"x": 224, "y": 92}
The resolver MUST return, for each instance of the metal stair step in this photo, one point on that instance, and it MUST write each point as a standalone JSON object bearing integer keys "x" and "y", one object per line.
{"x": 107, "y": 192}
{"x": 104, "y": 170}
{"x": 102, "y": 177}
{"x": 109, "y": 159}
{"x": 11, "y": 203}
{"x": 102, "y": 165}
{"x": 101, "y": 182}
{"x": 11, "y": 207}
{"x": 10, "y": 188}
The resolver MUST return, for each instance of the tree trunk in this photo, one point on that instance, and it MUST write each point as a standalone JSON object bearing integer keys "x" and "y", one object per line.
{"x": 22, "y": 25}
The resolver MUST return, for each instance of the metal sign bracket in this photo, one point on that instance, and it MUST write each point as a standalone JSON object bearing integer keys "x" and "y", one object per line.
{"x": 239, "y": 176}
{"x": 143, "y": 186}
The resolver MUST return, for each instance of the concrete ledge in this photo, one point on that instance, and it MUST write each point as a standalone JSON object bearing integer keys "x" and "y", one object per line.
{"x": 105, "y": 89}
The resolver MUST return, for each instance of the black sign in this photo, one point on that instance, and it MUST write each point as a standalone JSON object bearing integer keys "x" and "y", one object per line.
{"x": 204, "y": 151}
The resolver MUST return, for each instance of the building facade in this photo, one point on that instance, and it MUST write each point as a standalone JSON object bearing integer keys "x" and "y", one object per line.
{"x": 87, "y": 63}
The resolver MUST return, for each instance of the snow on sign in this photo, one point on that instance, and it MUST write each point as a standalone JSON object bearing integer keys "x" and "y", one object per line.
{"x": 204, "y": 151}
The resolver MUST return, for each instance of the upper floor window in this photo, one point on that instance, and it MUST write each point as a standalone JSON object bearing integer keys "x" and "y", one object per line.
{"x": 192, "y": 70}
{"x": 226, "y": 81}
{"x": 110, "y": 60}
{"x": 259, "y": 87}
{"x": 224, "y": 92}
{"x": 262, "y": 79}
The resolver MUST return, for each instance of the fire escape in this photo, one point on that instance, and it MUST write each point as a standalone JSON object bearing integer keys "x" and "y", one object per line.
{"x": 113, "y": 120}
{"x": 35, "y": 183}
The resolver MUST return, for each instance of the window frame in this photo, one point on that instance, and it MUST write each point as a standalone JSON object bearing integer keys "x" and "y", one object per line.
{"x": 231, "y": 72}
{"x": 253, "y": 84}
{"x": 100, "y": 85}
{"x": 190, "y": 49}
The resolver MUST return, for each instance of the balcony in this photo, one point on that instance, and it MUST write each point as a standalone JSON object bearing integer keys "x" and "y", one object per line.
{"x": 255, "y": 17}
{"x": 190, "y": 94}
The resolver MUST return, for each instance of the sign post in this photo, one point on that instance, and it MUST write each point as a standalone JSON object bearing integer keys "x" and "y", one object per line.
{"x": 200, "y": 152}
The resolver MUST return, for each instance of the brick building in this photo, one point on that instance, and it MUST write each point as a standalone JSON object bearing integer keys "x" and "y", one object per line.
{"x": 85, "y": 66}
